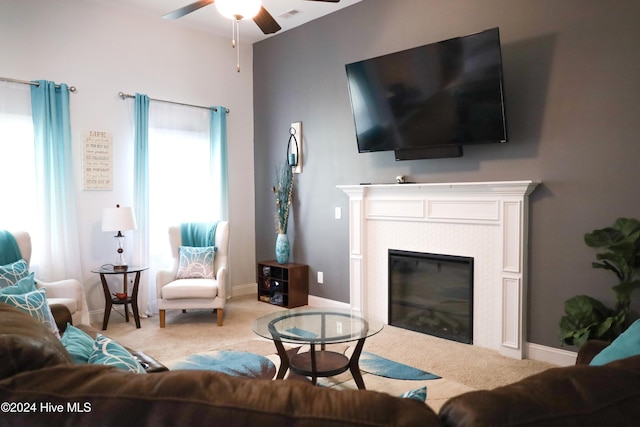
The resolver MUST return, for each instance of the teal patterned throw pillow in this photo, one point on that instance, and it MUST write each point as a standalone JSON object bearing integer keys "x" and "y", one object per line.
{"x": 196, "y": 262}
{"x": 11, "y": 273}
{"x": 108, "y": 352}
{"x": 625, "y": 345}
{"x": 78, "y": 343}
{"x": 417, "y": 394}
{"x": 34, "y": 304}
{"x": 22, "y": 286}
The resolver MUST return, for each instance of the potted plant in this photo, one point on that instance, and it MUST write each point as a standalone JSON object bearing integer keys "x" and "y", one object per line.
{"x": 587, "y": 318}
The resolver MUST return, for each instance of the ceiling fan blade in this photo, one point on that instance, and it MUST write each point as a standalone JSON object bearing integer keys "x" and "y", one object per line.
{"x": 179, "y": 13}
{"x": 327, "y": 1}
{"x": 265, "y": 21}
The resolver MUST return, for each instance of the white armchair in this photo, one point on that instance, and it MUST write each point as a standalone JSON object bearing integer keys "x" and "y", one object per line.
{"x": 69, "y": 292}
{"x": 194, "y": 293}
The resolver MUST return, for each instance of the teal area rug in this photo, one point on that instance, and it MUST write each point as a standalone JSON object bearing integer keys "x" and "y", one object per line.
{"x": 236, "y": 363}
{"x": 387, "y": 368}
{"x": 250, "y": 365}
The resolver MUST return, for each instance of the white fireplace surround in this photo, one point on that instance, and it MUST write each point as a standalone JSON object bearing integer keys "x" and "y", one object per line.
{"x": 487, "y": 221}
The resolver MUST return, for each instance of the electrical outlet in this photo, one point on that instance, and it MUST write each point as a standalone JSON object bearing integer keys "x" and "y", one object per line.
{"x": 338, "y": 212}
{"x": 339, "y": 327}
{"x": 320, "y": 277}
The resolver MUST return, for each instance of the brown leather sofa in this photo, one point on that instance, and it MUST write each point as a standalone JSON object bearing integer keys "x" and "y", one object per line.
{"x": 579, "y": 395}
{"x": 39, "y": 385}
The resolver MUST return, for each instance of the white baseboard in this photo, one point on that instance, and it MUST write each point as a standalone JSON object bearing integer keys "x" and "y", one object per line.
{"x": 315, "y": 301}
{"x": 557, "y": 356}
{"x": 246, "y": 289}
{"x": 533, "y": 351}
{"x": 97, "y": 316}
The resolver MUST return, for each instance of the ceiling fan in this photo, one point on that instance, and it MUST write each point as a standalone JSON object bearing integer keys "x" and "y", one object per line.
{"x": 237, "y": 10}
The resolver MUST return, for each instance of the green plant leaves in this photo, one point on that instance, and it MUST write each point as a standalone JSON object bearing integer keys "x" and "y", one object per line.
{"x": 587, "y": 318}
{"x": 623, "y": 230}
{"x": 624, "y": 290}
{"x": 622, "y": 245}
{"x": 585, "y": 310}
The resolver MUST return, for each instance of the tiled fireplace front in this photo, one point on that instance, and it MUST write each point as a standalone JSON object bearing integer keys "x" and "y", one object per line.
{"x": 487, "y": 221}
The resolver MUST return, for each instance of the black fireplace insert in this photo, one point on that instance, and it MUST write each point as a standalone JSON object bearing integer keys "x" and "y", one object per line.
{"x": 432, "y": 294}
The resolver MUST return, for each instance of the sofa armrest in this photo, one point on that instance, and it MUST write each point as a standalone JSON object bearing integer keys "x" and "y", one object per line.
{"x": 185, "y": 397}
{"x": 26, "y": 344}
{"x": 149, "y": 364}
{"x": 586, "y": 396}
{"x": 62, "y": 316}
{"x": 69, "y": 288}
{"x": 589, "y": 350}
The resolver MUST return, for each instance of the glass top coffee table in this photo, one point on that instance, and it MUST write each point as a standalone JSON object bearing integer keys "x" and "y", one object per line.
{"x": 318, "y": 327}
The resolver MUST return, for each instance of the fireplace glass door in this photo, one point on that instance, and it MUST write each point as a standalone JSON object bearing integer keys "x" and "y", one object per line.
{"x": 432, "y": 294}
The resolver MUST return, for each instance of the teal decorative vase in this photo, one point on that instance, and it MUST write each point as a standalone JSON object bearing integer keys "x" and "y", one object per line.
{"x": 282, "y": 248}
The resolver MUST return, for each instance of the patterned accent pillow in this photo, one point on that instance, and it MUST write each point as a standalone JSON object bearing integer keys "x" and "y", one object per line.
{"x": 11, "y": 273}
{"x": 22, "y": 286}
{"x": 34, "y": 304}
{"x": 196, "y": 262}
{"x": 108, "y": 352}
{"x": 78, "y": 343}
{"x": 417, "y": 394}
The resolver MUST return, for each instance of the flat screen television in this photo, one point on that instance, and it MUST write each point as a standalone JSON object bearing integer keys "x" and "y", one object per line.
{"x": 429, "y": 101}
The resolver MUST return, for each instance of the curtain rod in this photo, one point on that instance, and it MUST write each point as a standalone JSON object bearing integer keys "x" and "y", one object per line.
{"x": 126, "y": 95}
{"x": 25, "y": 82}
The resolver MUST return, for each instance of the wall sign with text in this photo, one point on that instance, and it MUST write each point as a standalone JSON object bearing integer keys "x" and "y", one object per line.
{"x": 97, "y": 161}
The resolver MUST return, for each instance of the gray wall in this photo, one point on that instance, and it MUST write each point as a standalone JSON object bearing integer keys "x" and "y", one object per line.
{"x": 572, "y": 81}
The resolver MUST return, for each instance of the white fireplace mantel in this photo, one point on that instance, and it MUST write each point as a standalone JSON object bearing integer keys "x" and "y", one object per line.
{"x": 484, "y": 220}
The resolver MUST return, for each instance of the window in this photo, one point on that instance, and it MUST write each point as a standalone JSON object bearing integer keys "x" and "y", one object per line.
{"x": 17, "y": 164}
{"x": 39, "y": 199}
{"x": 181, "y": 185}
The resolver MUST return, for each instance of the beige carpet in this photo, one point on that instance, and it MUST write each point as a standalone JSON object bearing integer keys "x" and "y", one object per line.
{"x": 462, "y": 367}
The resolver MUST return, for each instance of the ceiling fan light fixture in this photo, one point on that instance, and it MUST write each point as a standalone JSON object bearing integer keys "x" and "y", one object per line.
{"x": 238, "y": 9}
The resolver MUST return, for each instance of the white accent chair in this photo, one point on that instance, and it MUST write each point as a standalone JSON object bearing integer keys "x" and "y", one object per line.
{"x": 200, "y": 294}
{"x": 69, "y": 292}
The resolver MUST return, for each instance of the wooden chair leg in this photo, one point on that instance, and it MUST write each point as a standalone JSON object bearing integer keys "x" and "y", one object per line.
{"x": 162, "y": 317}
{"x": 219, "y": 310}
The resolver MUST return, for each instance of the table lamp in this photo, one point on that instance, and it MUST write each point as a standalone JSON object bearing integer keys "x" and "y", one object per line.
{"x": 119, "y": 219}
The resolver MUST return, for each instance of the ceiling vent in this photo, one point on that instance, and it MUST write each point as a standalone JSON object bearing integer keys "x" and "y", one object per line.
{"x": 289, "y": 14}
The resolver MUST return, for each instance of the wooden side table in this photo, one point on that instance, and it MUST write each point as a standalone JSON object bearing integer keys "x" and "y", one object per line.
{"x": 130, "y": 299}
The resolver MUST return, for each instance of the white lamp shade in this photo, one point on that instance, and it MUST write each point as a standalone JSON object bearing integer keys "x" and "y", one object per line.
{"x": 238, "y": 9}
{"x": 118, "y": 219}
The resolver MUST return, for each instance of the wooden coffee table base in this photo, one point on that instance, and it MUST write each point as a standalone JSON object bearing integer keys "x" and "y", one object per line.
{"x": 321, "y": 363}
